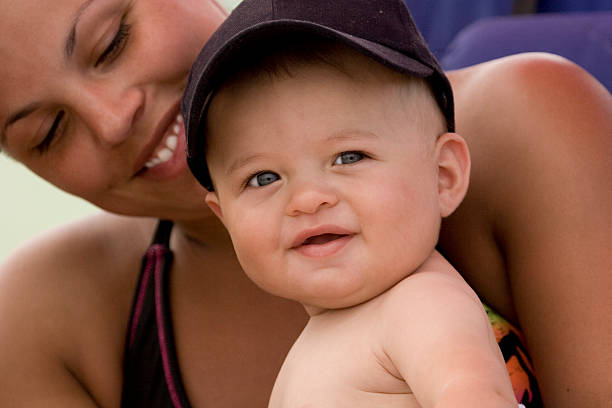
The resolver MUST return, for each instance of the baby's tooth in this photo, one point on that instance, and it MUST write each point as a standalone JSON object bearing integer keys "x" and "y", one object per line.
{"x": 179, "y": 119}
{"x": 175, "y": 129}
{"x": 164, "y": 154}
{"x": 171, "y": 142}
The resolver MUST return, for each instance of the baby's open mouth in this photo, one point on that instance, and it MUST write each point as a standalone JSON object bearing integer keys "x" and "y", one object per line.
{"x": 322, "y": 239}
{"x": 314, "y": 245}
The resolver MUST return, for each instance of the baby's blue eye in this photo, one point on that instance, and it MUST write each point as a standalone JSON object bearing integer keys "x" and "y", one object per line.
{"x": 263, "y": 179}
{"x": 348, "y": 158}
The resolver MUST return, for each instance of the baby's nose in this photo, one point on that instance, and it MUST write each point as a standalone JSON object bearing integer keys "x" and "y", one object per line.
{"x": 310, "y": 197}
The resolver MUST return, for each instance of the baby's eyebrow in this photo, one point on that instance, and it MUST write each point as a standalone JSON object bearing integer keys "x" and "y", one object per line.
{"x": 351, "y": 134}
{"x": 342, "y": 135}
{"x": 243, "y": 161}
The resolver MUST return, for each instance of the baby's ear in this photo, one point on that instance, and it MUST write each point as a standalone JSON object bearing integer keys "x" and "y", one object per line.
{"x": 212, "y": 200}
{"x": 453, "y": 157}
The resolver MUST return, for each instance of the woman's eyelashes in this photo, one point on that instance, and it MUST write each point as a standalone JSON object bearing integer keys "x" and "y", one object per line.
{"x": 112, "y": 51}
{"x": 43, "y": 146}
{"x": 263, "y": 178}
{"x": 117, "y": 44}
{"x": 349, "y": 157}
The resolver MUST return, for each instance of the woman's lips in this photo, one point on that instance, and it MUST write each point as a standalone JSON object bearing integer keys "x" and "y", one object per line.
{"x": 168, "y": 161}
{"x": 159, "y": 141}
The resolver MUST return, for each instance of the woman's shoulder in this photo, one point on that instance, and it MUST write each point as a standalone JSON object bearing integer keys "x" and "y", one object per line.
{"x": 532, "y": 112}
{"x": 536, "y": 88}
{"x": 65, "y": 298}
{"x": 538, "y": 127}
{"x": 101, "y": 252}
{"x": 95, "y": 242}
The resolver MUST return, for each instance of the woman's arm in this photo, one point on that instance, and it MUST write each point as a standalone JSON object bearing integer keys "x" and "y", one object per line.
{"x": 540, "y": 134}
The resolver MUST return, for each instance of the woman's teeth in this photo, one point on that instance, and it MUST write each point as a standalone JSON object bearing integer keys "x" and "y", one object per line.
{"x": 170, "y": 142}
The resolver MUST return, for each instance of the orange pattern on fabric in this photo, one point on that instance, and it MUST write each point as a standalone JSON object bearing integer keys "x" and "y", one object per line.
{"x": 518, "y": 364}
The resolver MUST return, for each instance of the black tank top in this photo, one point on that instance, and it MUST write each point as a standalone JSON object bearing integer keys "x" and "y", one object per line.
{"x": 151, "y": 374}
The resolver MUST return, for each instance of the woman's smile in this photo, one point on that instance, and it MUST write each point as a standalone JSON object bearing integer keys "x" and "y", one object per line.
{"x": 168, "y": 158}
{"x": 166, "y": 150}
{"x": 162, "y": 157}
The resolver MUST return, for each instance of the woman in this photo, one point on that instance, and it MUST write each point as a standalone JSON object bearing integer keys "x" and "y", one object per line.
{"x": 90, "y": 102}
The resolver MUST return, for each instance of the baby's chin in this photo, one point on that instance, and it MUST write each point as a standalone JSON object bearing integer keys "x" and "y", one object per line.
{"x": 340, "y": 301}
{"x": 322, "y": 307}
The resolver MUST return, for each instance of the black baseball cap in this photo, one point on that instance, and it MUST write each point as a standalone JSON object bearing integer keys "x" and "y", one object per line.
{"x": 380, "y": 29}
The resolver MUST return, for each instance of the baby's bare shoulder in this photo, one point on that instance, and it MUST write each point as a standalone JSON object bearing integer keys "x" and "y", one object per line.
{"x": 433, "y": 281}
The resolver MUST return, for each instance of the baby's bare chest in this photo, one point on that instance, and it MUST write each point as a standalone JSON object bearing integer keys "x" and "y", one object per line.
{"x": 338, "y": 362}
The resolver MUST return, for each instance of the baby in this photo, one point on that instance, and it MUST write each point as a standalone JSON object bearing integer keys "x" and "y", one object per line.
{"x": 326, "y": 145}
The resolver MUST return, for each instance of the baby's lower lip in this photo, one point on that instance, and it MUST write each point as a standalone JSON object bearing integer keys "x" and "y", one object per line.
{"x": 323, "y": 249}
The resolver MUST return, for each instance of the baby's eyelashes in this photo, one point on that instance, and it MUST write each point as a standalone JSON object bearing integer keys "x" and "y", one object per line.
{"x": 349, "y": 157}
{"x": 263, "y": 178}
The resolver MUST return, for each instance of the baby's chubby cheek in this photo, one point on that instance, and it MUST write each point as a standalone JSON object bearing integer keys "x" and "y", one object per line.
{"x": 253, "y": 238}
{"x": 259, "y": 251}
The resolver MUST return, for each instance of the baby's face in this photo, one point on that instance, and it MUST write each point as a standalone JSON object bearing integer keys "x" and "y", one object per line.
{"x": 328, "y": 186}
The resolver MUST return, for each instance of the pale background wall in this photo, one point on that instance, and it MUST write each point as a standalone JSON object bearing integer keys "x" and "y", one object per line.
{"x": 29, "y": 205}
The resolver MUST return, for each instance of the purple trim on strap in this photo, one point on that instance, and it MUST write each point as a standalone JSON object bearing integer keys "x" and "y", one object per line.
{"x": 163, "y": 343}
{"x": 142, "y": 291}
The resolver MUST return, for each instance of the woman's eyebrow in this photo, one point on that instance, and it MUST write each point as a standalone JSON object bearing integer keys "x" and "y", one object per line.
{"x": 71, "y": 38}
{"x": 22, "y": 113}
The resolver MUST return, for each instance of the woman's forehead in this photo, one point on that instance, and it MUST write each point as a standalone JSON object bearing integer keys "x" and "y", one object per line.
{"x": 31, "y": 37}
{"x": 34, "y": 16}
{"x": 30, "y": 29}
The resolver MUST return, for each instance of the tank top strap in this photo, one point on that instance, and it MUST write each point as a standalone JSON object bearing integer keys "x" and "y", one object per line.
{"x": 162, "y": 233}
{"x": 152, "y": 377}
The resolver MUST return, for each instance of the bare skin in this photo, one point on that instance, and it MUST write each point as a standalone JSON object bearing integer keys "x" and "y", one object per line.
{"x": 532, "y": 238}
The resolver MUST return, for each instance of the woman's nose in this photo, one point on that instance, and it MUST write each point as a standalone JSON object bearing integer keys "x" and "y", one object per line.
{"x": 110, "y": 113}
{"x": 310, "y": 197}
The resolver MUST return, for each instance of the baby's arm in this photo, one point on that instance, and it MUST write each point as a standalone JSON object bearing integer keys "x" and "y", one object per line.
{"x": 439, "y": 340}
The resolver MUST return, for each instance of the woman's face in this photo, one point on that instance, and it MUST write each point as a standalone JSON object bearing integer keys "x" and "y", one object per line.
{"x": 90, "y": 96}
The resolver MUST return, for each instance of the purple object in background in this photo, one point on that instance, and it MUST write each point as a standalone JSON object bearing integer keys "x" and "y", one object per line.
{"x": 584, "y": 38}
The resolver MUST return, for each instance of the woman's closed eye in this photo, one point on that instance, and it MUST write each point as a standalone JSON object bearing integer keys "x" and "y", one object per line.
{"x": 117, "y": 44}
{"x": 263, "y": 178}
{"x": 56, "y": 126}
{"x": 349, "y": 157}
